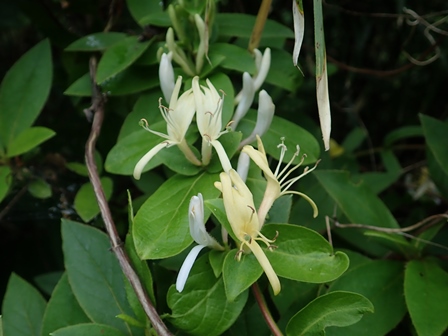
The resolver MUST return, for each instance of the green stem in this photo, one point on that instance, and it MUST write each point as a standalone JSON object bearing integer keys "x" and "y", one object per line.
{"x": 265, "y": 310}
{"x": 206, "y": 151}
{"x": 183, "y": 146}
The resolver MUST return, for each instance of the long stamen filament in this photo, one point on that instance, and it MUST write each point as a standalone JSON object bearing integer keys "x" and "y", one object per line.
{"x": 296, "y": 154}
{"x": 286, "y": 185}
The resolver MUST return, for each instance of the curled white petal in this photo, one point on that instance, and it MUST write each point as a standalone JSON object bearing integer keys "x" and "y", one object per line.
{"x": 323, "y": 105}
{"x": 166, "y": 75}
{"x": 147, "y": 157}
{"x": 223, "y": 158}
{"x": 247, "y": 97}
{"x": 299, "y": 30}
{"x": 263, "y": 69}
{"x": 186, "y": 267}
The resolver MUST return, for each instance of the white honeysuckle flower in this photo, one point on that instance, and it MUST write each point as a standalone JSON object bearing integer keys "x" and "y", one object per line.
{"x": 299, "y": 29}
{"x": 178, "y": 117}
{"x": 209, "y": 120}
{"x": 243, "y": 166}
{"x": 277, "y": 183}
{"x": 266, "y": 110}
{"x": 166, "y": 75}
{"x": 247, "y": 98}
{"x": 178, "y": 54}
{"x": 263, "y": 63}
{"x": 199, "y": 235}
{"x": 242, "y": 216}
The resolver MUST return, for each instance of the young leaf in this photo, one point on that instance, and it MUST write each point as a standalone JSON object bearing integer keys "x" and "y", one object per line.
{"x": 336, "y": 309}
{"x": 426, "y": 293}
{"x": 40, "y": 189}
{"x": 91, "y": 329}
{"x": 96, "y": 42}
{"x": 63, "y": 309}
{"x": 23, "y": 92}
{"x": 119, "y": 57}
{"x": 28, "y": 139}
{"x": 23, "y": 308}
{"x": 86, "y": 204}
{"x": 94, "y": 274}
{"x": 161, "y": 225}
{"x": 436, "y": 136}
{"x": 202, "y": 307}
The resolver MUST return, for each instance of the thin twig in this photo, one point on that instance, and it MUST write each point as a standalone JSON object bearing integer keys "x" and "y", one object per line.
{"x": 265, "y": 310}
{"x": 262, "y": 16}
{"x": 14, "y": 200}
{"x": 97, "y": 109}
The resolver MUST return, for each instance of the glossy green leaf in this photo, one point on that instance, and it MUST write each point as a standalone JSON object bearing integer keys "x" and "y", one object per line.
{"x": 22, "y": 308}
{"x": 161, "y": 227}
{"x": 216, "y": 259}
{"x": 132, "y": 80}
{"x": 123, "y": 157}
{"x": 303, "y": 254}
{"x": 63, "y": 309}
{"x": 281, "y": 73}
{"x": 28, "y": 139}
{"x": 91, "y": 329}
{"x": 216, "y": 206}
{"x": 335, "y": 309}
{"x": 222, "y": 82}
{"x": 359, "y": 204}
{"x": 40, "y": 189}
{"x": 86, "y": 204}
{"x": 202, "y": 308}
{"x": 96, "y": 42}
{"x": 148, "y": 12}
{"x": 23, "y": 92}
{"x": 436, "y": 136}
{"x": 380, "y": 281}
{"x": 236, "y": 58}
{"x": 175, "y": 160}
{"x": 238, "y": 276}
{"x": 5, "y": 181}
{"x": 119, "y": 57}
{"x": 94, "y": 274}
{"x": 281, "y": 128}
{"x": 402, "y": 133}
{"x": 241, "y": 25}
{"x": 426, "y": 293}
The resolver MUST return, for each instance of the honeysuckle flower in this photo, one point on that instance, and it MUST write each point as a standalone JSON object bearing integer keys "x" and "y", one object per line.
{"x": 266, "y": 109}
{"x": 263, "y": 63}
{"x": 247, "y": 98}
{"x": 166, "y": 75}
{"x": 299, "y": 28}
{"x": 243, "y": 166}
{"x": 209, "y": 120}
{"x": 178, "y": 117}
{"x": 199, "y": 235}
{"x": 277, "y": 182}
{"x": 242, "y": 216}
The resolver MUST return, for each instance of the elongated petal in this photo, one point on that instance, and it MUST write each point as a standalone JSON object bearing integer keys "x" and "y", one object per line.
{"x": 263, "y": 69}
{"x": 243, "y": 165}
{"x": 223, "y": 158}
{"x": 323, "y": 105}
{"x": 186, "y": 267}
{"x": 175, "y": 93}
{"x": 266, "y": 265}
{"x": 147, "y": 157}
{"x": 166, "y": 75}
{"x": 299, "y": 28}
{"x": 247, "y": 98}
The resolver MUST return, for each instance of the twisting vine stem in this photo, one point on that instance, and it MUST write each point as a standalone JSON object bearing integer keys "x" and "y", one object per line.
{"x": 265, "y": 310}
{"x": 97, "y": 112}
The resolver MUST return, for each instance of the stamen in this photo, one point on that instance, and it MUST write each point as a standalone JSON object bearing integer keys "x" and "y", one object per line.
{"x": 296, "y": 154}
{"x": 282, "y": 154}
{"x": 285, "y": 186}
{"x": 253, "y": 211}
{"x": 292, "y": 169}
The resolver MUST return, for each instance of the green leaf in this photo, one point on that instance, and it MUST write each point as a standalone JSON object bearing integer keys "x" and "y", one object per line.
{"x": 47, "y": 282}
{"x": 336, "y": 309}
{"x": 436, "y": 136}
{"x": 222, "y": 82}
{"x": 359, "y": 204}
{"x": 28, "y": 139}
{"x": 241, "y": 25}
{"x": 236, "y": 58}
{"x": 175, "y": 160}
{"x": 132, "y": 80}
{"x": 402, "y": 133}
{"x": 281, "y": 128}
{"x": 303, "y": 254}
{"x": 94, "y": 274}
{"x": 40, "y": 189}
{"x": 380, "y": 281}
{"x": 119, "y": 57}
{"x": 91, "y": 329}
{"x": 86, "y": 204}
{"x": 96, "y": 42}
{"x": 239, "y": 275}
{"x": 216, "y": 206}
{"x": 123, "y": 157}
{"x": 161, "y": 225}
{"x": 281, "y": 73}
{"x": 148, "y": 13}
{"x": 5, "y": 181}
{"x": 62, "y": 310}
{"x": 216, "y": 259}
{"x": 23, "y": 92}
{"x": 202, "y": 307}
{"x": 426, "y": 293}
{"x": 23, "y": 308}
